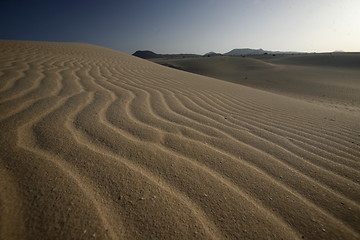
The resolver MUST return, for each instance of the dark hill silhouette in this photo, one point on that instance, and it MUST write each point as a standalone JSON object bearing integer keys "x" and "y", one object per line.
{"x": 211, "y": 54}
{"x": 146, "y": 54}
{"x": 249, "y": 51}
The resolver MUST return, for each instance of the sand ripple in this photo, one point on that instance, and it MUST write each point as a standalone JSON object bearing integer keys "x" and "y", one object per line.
{"x": 99, "y": 144}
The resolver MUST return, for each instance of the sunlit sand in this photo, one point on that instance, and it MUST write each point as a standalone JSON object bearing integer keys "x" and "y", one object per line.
{"x": 98, "y": 144}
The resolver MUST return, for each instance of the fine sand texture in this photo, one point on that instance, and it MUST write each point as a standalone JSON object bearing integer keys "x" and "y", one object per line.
{"x": 331, "y": 79}
{"x": 98, "y": 144}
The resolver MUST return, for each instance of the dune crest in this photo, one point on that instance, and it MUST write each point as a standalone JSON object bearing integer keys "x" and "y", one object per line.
{"x": 100, "y": 144}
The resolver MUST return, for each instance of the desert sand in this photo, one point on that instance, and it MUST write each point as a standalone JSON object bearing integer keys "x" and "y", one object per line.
{"x": 98, "y": 144}
{"x": 327, "y": 78}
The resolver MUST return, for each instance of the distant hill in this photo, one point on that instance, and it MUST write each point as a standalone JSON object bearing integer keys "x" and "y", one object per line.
{"x": 210, "y": 54}
{"x": 245, "y": 51}
{"x": 146, "y": 54}
{"x": 249, "y": 51}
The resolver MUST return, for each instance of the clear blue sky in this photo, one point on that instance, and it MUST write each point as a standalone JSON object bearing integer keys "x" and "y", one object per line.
{"x": 187, "y": 26}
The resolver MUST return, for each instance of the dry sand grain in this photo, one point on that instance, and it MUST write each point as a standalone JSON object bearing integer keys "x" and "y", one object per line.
{"x": 328, "y": 79}
{"x": 99, "y": 144}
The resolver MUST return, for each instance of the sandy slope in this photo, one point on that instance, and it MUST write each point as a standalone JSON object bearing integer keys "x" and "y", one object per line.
{"x": 329, "y": 79}
{"x": 99, "y": 144}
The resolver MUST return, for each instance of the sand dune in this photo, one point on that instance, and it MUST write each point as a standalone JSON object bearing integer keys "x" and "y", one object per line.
{"x": 327, "y": 79}
{"x": 99, "y": 144}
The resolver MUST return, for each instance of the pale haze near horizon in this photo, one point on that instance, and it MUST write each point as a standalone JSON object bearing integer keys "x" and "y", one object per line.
{"x": 196, "y": 26}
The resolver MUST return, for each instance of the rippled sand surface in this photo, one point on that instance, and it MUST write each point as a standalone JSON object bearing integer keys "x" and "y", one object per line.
{"x": 97, "y": 144}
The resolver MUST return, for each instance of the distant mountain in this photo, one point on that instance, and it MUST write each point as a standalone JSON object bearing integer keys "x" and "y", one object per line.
{"x": 249, "y": 51}
{"x": 245, "y": 51}
{"x": 146, "y": 54}
{"x": 211, "y": 54}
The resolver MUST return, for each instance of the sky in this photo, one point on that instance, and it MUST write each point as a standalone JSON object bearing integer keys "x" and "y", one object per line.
{"x": 187, "y": 26}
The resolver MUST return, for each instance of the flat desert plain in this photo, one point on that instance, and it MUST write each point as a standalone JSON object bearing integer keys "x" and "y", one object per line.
{"x": 98, "y": 144}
